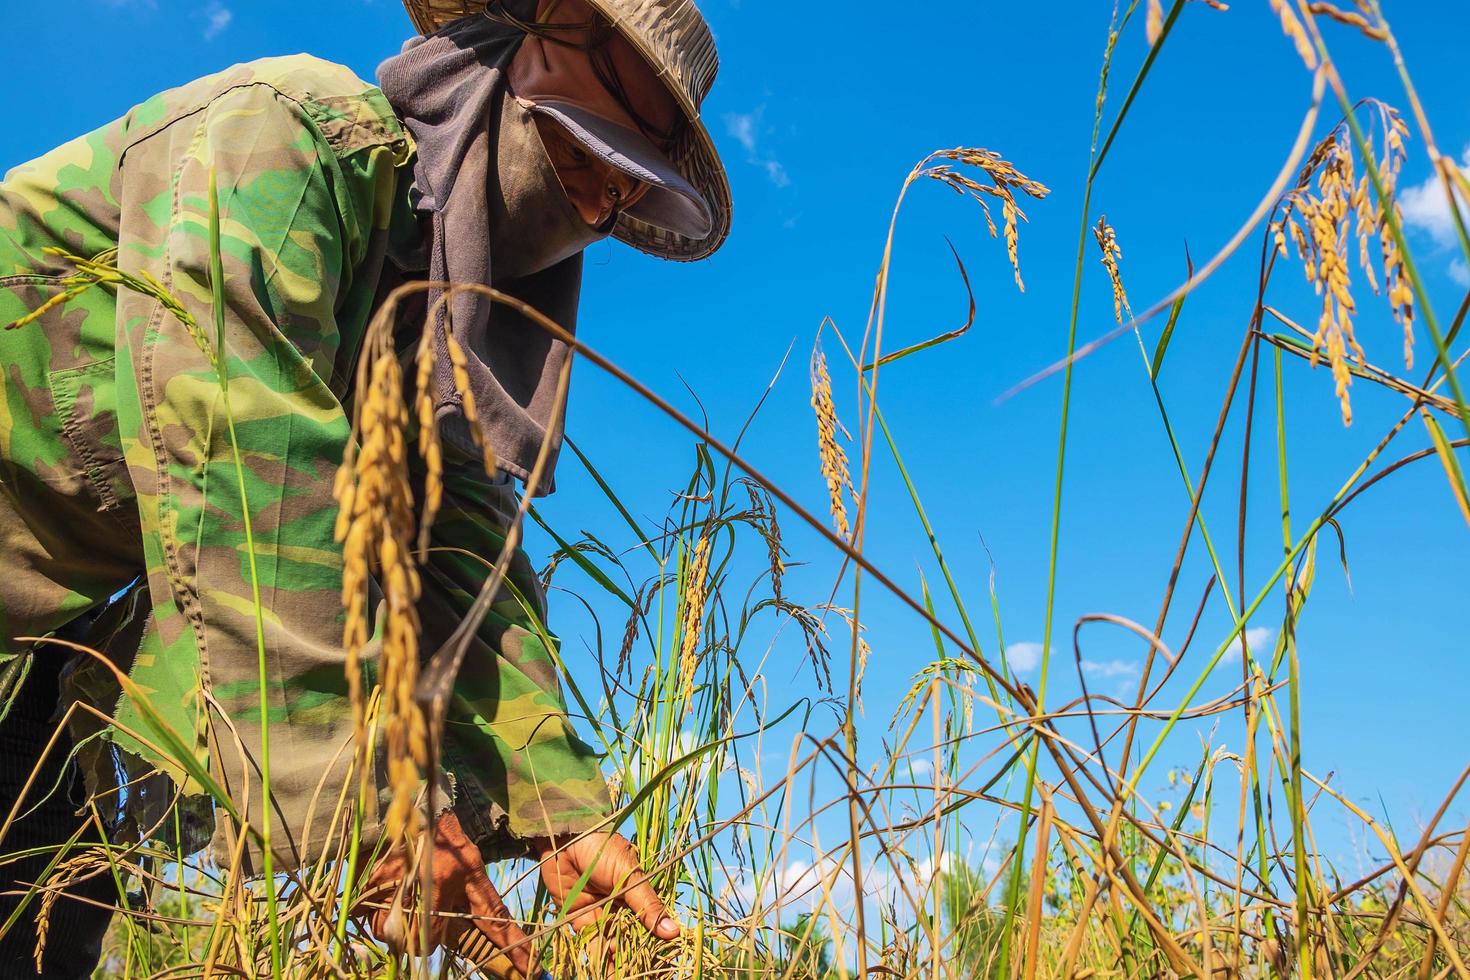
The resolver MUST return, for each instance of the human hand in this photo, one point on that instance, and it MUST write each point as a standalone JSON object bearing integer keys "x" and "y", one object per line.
{"x": 459, "y": 885}
{"x": 612, "y": 869}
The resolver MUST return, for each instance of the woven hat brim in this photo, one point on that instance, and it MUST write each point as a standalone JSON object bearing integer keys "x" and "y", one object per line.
{"x": 695, "y": 156}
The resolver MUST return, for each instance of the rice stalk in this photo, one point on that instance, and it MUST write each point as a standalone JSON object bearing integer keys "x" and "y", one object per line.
{"x": 1327, "y": 219}
{"x": 630, "y": 629}
{"x": 764, "y": 520}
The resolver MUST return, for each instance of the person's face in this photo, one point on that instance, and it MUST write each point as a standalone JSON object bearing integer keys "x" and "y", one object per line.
{"x": 598, "y": 191}
{"x": 546, "y": 69}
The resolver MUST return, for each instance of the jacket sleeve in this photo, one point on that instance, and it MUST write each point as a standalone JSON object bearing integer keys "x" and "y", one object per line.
{"x": 292, "y": 231}
{"x": 518, "y": 766}
{"x": 297, "y": 219}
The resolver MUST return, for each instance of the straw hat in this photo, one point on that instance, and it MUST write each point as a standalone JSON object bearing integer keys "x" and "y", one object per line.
{"x": 674, "y": 39}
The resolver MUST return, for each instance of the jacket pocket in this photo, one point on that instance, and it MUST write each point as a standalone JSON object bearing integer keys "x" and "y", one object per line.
{"x": 86, "y": 405}
{"x": 24, "y": 294}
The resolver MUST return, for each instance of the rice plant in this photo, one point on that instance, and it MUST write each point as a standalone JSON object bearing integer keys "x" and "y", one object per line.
{"x": 1003, "y": 832}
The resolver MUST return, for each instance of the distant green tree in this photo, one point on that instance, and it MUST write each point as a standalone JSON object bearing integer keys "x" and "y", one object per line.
{"x": 808, "y": 949}
{"x": 974, "y": 927}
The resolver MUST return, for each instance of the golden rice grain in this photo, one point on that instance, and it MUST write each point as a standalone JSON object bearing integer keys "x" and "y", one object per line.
{"x": 376, "y": 525}
{"x": 87, "y": 864}
{"x": 1154, "y": 25}
{"x": 1107, "y": 240}
{"x": 1400, "y": 293}
{"x": 833, "y": 457}
{"x": 763, "y": 514}
{"x": 1293, "y": 29}
{"x": 1324, "y": 231}
{"x": 1350, "y": 18}
{"x": 430, "y": 448}
{"x": 460, "y": 365}
{"x": 1322, "y": 247}
{"x": 1005, "y": 181}
{"x": 615, "y": 789}
{"x": 696, "y": 591}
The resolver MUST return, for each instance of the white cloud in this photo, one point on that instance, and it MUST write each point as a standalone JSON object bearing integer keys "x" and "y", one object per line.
{"x": 1023, "y": 657}
{"x": 797, "y": 883}
{"x": 1106, "y": 669}
{"x": 745, "y": 128}
{"x": 217, "y": 17}
{"x": 1427, "y": 208}
{"x": 826, "y": 885}
{"x": 1260, "y": 639}
{"x": 741, "y": 125}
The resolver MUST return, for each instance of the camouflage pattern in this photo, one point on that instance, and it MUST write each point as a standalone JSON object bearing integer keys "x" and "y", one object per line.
{"x": 116, "y": 471}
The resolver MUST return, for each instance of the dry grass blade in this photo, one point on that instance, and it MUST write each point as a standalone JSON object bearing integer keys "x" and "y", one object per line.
{"x": 1449, "y": 461}
{"x": 1039, "y": 873}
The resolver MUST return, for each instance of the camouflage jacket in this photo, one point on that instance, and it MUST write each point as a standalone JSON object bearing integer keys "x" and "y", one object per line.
{"x": 117, "y": 475}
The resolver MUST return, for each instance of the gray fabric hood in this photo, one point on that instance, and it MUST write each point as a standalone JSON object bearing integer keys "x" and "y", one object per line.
{"x": 498, "y": 216}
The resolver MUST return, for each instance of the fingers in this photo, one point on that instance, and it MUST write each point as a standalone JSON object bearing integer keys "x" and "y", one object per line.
{"x": 400, "y": 929}
{"x": 394, "y": 914}
{"x": 382, "y": 900}
{"x": 392, "y": 929}
{"x": 381, "y": 883}
{"x": 584, "y": 912}
{"x": 493, "y": 919}
{"x": 640, "y": 897}
{"x": 612, "y": 871}
{"x": 637, "y": 893}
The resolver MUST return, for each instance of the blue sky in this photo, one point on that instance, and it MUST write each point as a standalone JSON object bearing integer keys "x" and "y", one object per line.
{"x": 819, "y": 114}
